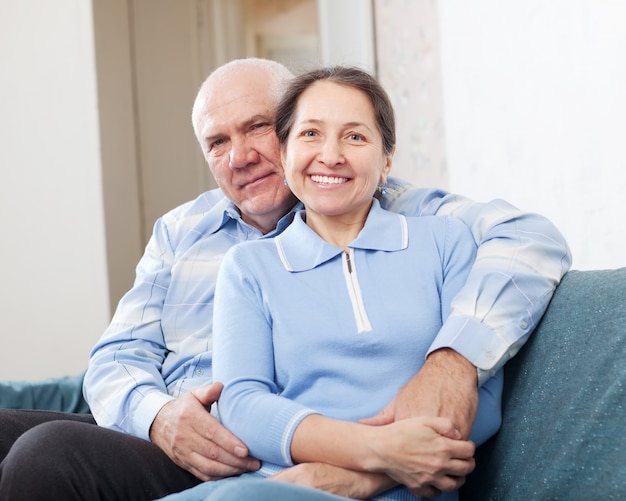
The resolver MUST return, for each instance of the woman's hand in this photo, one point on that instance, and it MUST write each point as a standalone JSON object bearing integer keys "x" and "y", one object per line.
{"x": 418, "y": 453}
{"x": 426, "y": 454}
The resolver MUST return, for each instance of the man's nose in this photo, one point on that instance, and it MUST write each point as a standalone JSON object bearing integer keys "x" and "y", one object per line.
{"x": 242, "y": 153}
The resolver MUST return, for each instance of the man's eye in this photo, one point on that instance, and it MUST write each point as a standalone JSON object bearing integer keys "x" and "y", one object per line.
{"x": 215, "y": 144}
{"x": 260, "y": 125}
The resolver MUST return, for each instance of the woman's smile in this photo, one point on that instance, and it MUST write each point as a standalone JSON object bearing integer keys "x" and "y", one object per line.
{"x": 328, "y": 179}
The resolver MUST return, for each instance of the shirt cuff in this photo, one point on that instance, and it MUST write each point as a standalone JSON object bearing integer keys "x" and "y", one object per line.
{"x": 144, "y": 416}
{"x": 479, "y": 344}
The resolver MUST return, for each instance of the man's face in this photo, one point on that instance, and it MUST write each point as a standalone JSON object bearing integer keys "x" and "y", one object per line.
{"x": 236, "y": 129}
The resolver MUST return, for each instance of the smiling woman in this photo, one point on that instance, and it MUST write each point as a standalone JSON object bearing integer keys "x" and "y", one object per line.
{"x": 334, "y": 166}
{"x": 337, "y": 135}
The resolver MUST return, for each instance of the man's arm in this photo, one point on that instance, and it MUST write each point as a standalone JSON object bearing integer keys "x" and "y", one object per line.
{"x": 446, "y": 386}
{"x": 125, "y": 383}
{"x": 520, "y": 260}
{"x": 336, "y": 480}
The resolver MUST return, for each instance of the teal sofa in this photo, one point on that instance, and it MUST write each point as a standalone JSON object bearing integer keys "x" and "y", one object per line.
{"x": 57, "y": 394}
{"x": 563, "y": 434}
{"x": 564, "y": 405}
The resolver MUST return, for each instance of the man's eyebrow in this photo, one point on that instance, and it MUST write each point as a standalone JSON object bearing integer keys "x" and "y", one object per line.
{"x": 258, "y": 118}
{"x": 213, "y": 137}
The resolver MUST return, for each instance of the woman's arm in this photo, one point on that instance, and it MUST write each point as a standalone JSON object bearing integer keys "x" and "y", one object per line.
{"x": 414, "y": 452}
{"x": 336, "y": 480}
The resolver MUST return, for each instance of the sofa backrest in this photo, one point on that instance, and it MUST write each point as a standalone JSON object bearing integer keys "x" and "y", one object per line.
{"x": 563, "y": 434}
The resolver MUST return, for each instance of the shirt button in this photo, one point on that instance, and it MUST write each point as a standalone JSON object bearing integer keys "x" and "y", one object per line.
{"x": 199, "y": 372}
{"x": 523, "y": 324}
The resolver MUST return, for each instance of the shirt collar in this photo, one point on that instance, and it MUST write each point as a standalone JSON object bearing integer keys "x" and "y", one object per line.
{"x": 301, "y": 249}
{"x": 225, "y": 210}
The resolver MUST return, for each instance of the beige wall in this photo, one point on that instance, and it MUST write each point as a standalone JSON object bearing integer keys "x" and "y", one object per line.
{"x": 97, "y": 143}
{"x": 409, "y": 67}
{"x": 53, "y": 301}
{"x": 524, "y": 101}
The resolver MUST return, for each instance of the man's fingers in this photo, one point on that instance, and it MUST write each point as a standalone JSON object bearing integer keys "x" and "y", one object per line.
{"x": 196, "y": 441}
{"x": 208, "y": 469}
{"x": 208, "y": 395}
{"x": 444, "y": 427}
{"x": 382, "y": 418}
{"x": 221, "y": 445}
{"x": 446, "y": 483}
{"x": 210, "y": 428}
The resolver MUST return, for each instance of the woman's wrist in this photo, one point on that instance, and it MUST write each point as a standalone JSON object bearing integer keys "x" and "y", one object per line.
{"x": 341, "y": 443}
{"x": 371, "y": 448}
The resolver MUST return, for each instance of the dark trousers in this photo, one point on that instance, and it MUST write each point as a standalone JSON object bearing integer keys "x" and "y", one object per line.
{"x": 54, "y": 455}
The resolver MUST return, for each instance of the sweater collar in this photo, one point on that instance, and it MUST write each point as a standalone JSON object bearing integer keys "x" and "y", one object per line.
{"x": 301, "y": 249}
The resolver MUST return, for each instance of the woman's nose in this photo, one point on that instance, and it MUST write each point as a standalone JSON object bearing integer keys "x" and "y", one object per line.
{"x": 331, "y": 153}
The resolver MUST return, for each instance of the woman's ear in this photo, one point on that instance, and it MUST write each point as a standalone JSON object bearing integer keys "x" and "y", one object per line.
{"x": 387, "y": 166}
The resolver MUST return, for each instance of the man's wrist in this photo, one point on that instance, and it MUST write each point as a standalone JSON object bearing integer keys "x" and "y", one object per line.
{"x": 453, "y": 363}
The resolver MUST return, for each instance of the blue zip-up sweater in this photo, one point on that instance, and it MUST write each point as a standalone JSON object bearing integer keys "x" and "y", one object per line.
{"x": 303, "y": 327}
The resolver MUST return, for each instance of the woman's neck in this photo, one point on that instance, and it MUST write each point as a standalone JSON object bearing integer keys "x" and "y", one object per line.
{"x": 337, "y": 230}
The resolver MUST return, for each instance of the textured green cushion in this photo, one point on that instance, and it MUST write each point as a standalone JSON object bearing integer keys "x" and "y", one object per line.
{"x": 564, "y": 403}
{"x": 56, "y": 394}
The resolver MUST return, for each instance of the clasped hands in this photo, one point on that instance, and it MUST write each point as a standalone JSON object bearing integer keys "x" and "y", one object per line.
{"x": 436, "y": 408}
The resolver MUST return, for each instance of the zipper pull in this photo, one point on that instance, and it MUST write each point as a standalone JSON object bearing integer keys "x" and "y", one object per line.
{"x": 348, "y": 262}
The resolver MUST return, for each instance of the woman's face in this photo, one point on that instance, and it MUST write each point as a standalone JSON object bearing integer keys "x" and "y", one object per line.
{"x": 334, "y": 157}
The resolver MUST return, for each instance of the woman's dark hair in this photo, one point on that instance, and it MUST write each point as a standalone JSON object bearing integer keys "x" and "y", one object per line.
{"x": 350, "y": 76}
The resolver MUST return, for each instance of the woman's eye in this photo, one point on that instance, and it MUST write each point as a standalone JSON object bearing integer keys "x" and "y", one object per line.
{"x": 356, "y": 137}
{"x": 309, "y": 133}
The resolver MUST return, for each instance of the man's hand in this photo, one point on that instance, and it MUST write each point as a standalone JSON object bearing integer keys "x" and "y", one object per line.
{"x": 446, "y": 386}
{"x": 336, "y": 480}
{"x": 196, "y": 441}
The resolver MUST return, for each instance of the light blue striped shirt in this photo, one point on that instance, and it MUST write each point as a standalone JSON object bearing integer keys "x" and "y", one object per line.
{"x": 159, "y": 343}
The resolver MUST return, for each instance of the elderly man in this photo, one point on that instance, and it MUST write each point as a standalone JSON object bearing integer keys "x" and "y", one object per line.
{"x": 149, "y": 383}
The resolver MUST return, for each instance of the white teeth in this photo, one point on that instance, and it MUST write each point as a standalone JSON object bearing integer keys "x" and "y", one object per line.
{"x": 329, "y": 180}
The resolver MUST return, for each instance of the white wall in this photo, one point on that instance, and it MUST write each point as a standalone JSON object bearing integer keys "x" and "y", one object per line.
{"x": 535, "y": 113}
{"x": 54, "y": 296}
{"x": 346, "y": 30}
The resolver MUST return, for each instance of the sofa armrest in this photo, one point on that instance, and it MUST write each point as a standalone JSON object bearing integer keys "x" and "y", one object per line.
{"x": 564, "y": 401}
